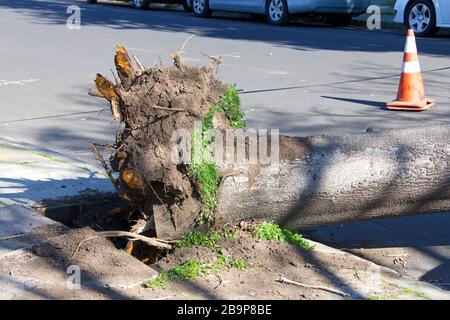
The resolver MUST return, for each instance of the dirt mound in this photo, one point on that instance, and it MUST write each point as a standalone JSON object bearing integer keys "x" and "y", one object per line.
{"x": 268, "y": 261}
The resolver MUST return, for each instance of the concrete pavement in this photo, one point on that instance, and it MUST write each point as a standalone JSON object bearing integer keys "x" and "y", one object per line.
{"x": 31, "y": 173}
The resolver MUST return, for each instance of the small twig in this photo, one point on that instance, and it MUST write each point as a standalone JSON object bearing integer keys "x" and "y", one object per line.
{"x": 285, "y": 280}
{"x": 165, "y": 244}
{"x": 134, "y": 236}
{"x": 13, "y": 237}
{"x": 216, "y": 62}
{"x": 104, "y": 165}
{"x": 78, "y": 248}
{"x": 214, "y": 59}
{"x": 114, "y": 76}
{"x": 140, "y": 65}
{"x": 168, "y": 109}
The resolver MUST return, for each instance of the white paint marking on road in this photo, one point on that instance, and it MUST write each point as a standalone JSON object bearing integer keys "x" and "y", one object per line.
{"x": 157, "y": 51}
{"x": 262, "y": 70}
{"x": 185, "y": 43}
{"x": 236, "y": 55}
{"x": 278, "y": 72}
{"x": 17, "y": 82}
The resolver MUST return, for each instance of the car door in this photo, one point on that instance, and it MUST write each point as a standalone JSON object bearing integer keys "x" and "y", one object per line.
{"x": 251, "y": 6}
{"x": 444, "y": 11}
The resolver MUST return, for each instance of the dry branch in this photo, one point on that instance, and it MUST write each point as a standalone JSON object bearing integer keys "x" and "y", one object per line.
{"x": 308, "y": 286}
{"x": 104, "y": 165}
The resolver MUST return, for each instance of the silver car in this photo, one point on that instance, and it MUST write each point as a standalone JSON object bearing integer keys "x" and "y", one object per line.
{"x": 143, "y": 4}
{"x": 425, "y": 17}
{"x": 338, "y": 12}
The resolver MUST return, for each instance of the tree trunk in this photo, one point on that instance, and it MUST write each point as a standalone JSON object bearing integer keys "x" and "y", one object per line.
{"x": 348, "y": 178}
{"x": 319, "y": 179}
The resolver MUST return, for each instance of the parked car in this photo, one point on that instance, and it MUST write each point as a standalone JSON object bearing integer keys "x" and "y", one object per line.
{"x": 423, "y": 16}
{"x": 338, "y": 12}
{"x": 143, "y": 4}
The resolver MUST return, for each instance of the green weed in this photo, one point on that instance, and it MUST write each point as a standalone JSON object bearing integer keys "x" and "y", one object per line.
{"x": 238, "y": 264}
{"x": 196, "y": 238}
{"x": 403, "y": 292}
{"x": 192, "y": 269}
{"x": 272, "y": 231}
{"x": 159, "y": 282}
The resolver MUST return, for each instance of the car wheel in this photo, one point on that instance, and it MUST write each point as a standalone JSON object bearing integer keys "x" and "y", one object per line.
{"x": 186, "y": 6}
{"x": 421, "y": 17}
{"x": 339, "y": 20}
{"x": 277, "y": 12}
{"x": 201, "y": 8}
{"x": 91, "y": 1}
{"x": 141, "y": 4}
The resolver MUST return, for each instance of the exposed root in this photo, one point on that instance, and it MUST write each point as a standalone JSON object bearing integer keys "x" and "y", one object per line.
{"x": 163, "y": 244}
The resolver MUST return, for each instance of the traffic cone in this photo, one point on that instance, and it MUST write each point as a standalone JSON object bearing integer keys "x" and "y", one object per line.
{"x": 411, "y": 93}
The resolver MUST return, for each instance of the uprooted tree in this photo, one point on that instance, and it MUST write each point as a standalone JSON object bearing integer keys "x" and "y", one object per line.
{"x": 316, "y": 180}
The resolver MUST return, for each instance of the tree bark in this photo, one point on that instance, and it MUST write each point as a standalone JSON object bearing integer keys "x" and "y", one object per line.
{"x": 348, "y": 178}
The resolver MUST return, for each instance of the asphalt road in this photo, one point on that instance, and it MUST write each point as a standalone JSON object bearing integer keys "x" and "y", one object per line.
{"x": 303, "y": 79}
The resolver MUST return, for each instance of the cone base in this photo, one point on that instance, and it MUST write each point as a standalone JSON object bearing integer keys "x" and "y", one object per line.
{"x": 422, "y": 105}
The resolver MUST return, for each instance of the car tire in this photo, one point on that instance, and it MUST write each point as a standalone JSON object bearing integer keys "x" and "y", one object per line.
{"x": 186, "y": 6}
{"x": 277, "y": 12}
{"x": 91, "y": 1}
{"x": 420, "y": 16}
{"x": 339, "y": 20}
{"x": 201, "y": 8}
{"x": 141, "y": 4}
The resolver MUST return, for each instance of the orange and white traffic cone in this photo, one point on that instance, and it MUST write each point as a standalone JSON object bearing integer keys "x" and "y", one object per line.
{"x": 411, "y": 93}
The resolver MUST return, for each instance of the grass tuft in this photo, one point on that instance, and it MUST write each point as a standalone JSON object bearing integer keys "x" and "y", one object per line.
{"x": 159, "y": 282}
{"x": 239, "y": 264}
{"x": 192, "y": 269}
{"x": 272, "y": 231}
{"x": 196, "y": 238}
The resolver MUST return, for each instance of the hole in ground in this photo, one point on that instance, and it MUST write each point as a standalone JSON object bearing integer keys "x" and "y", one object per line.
{"x": 103, "y": 211}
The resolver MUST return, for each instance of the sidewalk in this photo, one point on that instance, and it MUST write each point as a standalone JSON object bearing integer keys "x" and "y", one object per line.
{"x": 29, "y": 174}
{"x": 34, "y": 249}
